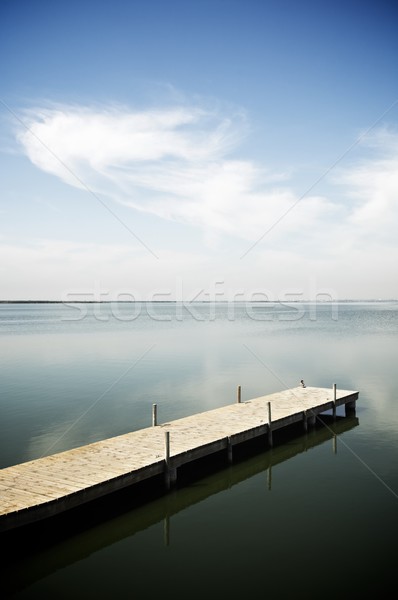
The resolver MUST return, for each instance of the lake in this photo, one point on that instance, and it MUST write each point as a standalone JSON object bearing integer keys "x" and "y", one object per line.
{"x": 315, "y": 516}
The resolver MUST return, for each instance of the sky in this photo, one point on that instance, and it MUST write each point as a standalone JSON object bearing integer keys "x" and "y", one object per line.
{"x": 209, "y": 150}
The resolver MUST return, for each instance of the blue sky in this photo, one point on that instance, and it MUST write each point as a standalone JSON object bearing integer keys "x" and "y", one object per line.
{"x": 168, "y": 150}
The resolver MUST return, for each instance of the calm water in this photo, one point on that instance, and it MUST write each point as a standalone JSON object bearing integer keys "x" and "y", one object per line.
{"x": 314, "y": 517}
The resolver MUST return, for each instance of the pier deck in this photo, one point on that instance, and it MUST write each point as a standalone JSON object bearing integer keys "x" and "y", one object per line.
{"x": 47, "y": 486}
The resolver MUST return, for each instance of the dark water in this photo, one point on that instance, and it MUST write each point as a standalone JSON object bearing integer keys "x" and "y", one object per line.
{"x": 316, "y": 516}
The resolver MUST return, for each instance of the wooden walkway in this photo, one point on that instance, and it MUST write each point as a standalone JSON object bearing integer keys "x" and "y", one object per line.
{"x": 41, "y": 488}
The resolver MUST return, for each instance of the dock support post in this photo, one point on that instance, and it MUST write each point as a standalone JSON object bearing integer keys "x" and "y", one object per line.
{"x": 239, "y": 394}
{"x": 270, "y": 441}
{"x": 309, "y": 418}
{"x": 334, "y": 401}
{"x": 229, "y": 450}
{"x": 154, "y": 415}
{"x": 170, "y": 474}
{"x": 350, "y": 409}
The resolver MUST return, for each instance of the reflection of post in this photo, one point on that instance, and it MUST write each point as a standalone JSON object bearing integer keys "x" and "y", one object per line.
{"x": 270, "y": 442}
{"x": 334, "y": 401}
{"x": 269, "y": 477}
{"x": 166, "y": 530}
{"x": 334, "y": 442}
{"x": 154, "y": 415}
{"x": 239, "y": 394}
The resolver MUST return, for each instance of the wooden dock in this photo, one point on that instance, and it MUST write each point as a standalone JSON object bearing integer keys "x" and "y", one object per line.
{"x": 48, "y": 486}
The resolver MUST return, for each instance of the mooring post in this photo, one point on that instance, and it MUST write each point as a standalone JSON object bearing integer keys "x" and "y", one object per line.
{"x": 154, "y": 415}
{"x": 334, "y": 400}
{"x": 167, "y": 458}
{"x": 170, "y": 474}
{"x": 239, "y": 394}
{"x": 167, "y": 448}
{"x": 269, "y": 425}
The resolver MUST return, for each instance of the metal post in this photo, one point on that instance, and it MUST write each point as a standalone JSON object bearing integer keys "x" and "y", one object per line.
{"x": 154, "y": 415}
{"x": 167, "y": 458}
{"x": 170, "y": 474}
{"x": 270, "y": 442}
{"x": 334, "y": 401}
{"x": 239, "y": 394}
{"x": 167, "y": 448}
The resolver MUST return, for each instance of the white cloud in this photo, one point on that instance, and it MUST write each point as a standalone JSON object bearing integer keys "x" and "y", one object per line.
{"x": 372, "y": 185}
{"x": 82, "y": 139}
{"x": 181, "y": 164}
{"x": 174, "y": 163}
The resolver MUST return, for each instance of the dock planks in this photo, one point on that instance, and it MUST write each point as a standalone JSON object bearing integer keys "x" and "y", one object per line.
{"x": 44, "y": 487}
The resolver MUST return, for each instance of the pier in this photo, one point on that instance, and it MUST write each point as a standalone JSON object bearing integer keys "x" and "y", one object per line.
{"x": 48, "y": 486}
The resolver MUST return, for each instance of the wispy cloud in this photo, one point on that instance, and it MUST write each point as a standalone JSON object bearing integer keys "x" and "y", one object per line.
{"x": 175, "y": 163}
{"x": 179, "y": 163}
{"x": 372, "y": 186}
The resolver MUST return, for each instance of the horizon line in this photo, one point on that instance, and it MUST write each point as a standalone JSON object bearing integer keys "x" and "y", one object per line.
{"x": 196, "y": 301}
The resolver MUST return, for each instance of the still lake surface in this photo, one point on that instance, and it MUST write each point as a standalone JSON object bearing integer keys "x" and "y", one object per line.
{"x": 316, "y": 516}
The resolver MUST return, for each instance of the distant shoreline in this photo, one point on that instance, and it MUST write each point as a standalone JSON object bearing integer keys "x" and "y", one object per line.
{"x": 284, "y": 301}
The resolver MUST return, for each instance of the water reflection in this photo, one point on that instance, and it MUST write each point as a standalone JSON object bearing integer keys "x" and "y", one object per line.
{"x": 323, "y": 506}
